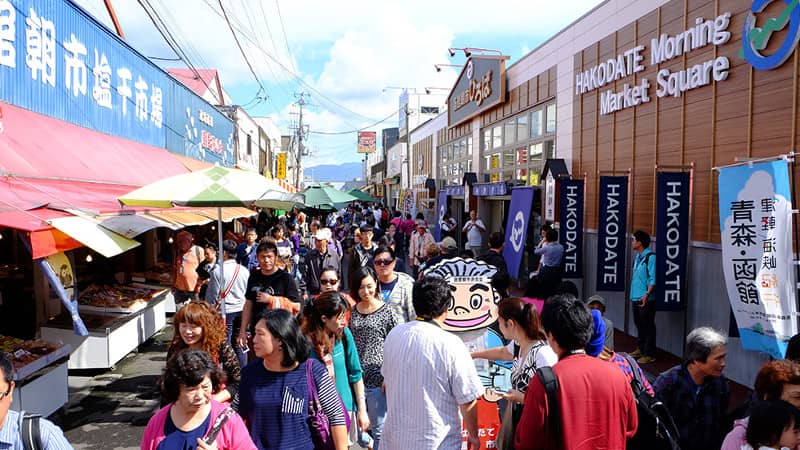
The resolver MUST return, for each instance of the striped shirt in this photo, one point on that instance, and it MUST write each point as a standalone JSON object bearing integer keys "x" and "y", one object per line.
{"x": 275, "y": 404}
{"x": 52, "y": 436}
{"x": 428, "y": 374}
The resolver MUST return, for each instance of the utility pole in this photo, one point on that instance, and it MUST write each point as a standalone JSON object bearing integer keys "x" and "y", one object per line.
{"x": 301, "y": 150}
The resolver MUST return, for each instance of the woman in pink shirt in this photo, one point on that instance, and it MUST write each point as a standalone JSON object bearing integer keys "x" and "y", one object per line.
{"x": 191, "y": 419}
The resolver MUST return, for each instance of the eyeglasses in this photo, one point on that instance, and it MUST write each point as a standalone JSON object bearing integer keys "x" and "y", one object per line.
{"x": 383, "y": 262}
{"x": 328, "y": 281}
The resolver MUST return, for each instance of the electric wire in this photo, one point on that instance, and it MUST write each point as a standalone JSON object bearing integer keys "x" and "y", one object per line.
{"x": 335, "y": 133}
{"x": 241, "y": 49}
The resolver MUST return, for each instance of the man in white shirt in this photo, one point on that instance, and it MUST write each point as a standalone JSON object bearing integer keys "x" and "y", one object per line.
{"x": 474, "y": 227}
{"x": 430, "y": 379}
{"x": 233, "y": 290}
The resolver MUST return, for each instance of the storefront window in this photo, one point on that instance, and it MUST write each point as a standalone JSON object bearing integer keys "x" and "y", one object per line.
{"x": 497, "y": 137}
{"x": 487, "y": 139}
{"x": 510, "y": 132}
{"x": 536, "y": 151}
{"x": 536, "y": 123}
{"x": 522, "y": 127}
{"x": 469, "y": 147}
{"x": 551, "y": 118}
{"x": 549, "y": 149}
{"x": 509, "y": 156}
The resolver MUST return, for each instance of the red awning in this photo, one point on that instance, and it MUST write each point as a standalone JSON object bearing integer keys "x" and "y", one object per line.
{"x": 33, "y": 145}
{"x": 45, "y": 240}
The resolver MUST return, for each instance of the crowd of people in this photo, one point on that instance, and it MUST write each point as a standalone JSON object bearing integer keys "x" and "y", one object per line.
{"x": 337, "y": 317}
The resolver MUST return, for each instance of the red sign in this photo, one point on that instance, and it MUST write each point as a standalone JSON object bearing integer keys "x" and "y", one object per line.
{"x": 366, "y": 141}
{"x": 488, "y": 424}
{"x": 211, "y": 142}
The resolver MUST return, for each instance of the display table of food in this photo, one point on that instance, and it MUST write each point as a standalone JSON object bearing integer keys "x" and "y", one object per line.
{"x": 40, "y": 374}
{"x": 158, "y": 277}
{"x": 115, "y": 328}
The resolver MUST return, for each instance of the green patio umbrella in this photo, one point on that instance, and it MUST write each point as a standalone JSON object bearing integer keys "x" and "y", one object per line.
{"x": 361, "y": 195}
{"x": 325, "y": 197}
{"x": 213, "y": 187}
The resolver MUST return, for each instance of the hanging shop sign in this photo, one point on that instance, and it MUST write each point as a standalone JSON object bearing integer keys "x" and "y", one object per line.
{"x": 611, "y": 233}
{"x": 517, "y": 227}
{"x": 672, "y": 239}
{"x": 487, "y": 189}
{"x": 663, "y": 49}
{"x": 755, "y": 213}
{"x": 481, "y": 86}
{"x": 65, "y": 65}
{"x": 366, "y": 141}
{"x": 442, "y": 209}
{"x": 281, "y": 166}
{"x": 570, "y": 233}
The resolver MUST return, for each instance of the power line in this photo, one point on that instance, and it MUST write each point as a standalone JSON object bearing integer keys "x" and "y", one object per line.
{"x": 285, "y": 39}
{"x": 238, "y": 44}
{"x": 294, "y": 74}
{"x": 334, "y": 133}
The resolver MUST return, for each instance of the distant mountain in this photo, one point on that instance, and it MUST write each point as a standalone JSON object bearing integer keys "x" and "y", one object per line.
{"x": 331, "y": 172}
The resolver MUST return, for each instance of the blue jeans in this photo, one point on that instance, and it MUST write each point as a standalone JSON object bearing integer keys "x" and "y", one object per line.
{"x": 233, "y": 324}
{"x": 376, "y": 410}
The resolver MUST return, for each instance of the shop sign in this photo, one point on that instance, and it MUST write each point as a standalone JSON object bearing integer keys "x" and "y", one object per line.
{"x": 281, "y": 166}
{"x": 366, "y": 141}
{"x": 755, "y": 39}
{"x": 611, "y": 233}
{"x": 481, "y": 86}
{"x": 56, "y": 61}
{"x": 487, "y": 189}
{"x": 442, "y": 209}
{"x": 755, "y": 214}
{"x": 663, "y": 49}
{"x": 533, "y": 179}
{"x": 64, "y": 65}
{"x": 672, "y": 239}
{"x": 570, "y": 232}
{"x": 549, "y": 198}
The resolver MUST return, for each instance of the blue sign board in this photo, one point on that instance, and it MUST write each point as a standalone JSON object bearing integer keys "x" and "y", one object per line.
{"x": 58, "y": 61}
{"x": 611, "y": 232}
{"x": 487, "y": 189}
{"x": 672, "y": 240}
{"x": 519, "y": 215}
{"x": 570, "y": 232}
{"x": 442, "y": 208}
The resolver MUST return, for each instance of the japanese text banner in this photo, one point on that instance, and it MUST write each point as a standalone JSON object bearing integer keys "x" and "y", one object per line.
{"x": 672, "y": 239}
{"x": 611, "y": 230}
{"x": 442, "y": 210}
{"x": 755, "y": 227}
{"x": 570, "y": 233}
{"x": 517, "y": 227}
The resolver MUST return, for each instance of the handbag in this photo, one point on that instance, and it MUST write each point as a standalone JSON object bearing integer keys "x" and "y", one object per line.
{"x": 318, "y": 422}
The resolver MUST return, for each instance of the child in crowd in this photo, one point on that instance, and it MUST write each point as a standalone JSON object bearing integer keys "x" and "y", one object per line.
{"x": 774, "y": 425}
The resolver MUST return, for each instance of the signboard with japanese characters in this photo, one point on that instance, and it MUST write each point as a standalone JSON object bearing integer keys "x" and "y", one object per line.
{"x": 755, "y": 208}
{"x": 64, "y": 64}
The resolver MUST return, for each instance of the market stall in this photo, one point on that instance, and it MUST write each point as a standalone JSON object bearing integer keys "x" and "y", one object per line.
{"x": 40, "y": 373}
{"x": 118, "y": 318}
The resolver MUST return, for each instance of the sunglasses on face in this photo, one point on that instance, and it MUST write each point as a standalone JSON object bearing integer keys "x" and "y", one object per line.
{"x": 328, "y": 281}
{"x": 383, "y": 262}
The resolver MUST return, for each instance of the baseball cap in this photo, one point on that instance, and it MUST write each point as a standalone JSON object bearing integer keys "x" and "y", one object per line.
{"x": 323, "y": 234}
{"x": 448, "y": 243}
{"x": 596, "y": 299}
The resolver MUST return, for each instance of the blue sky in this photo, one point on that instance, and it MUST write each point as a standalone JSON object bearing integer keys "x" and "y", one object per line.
{"x": 343, "y": 53}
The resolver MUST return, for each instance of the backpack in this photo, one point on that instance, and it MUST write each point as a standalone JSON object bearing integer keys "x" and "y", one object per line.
{"x": 646, "y": 267}
{"x": 657, "y": 429}
{"x": 30, "y": 431}
{"x": 550, "y": 382}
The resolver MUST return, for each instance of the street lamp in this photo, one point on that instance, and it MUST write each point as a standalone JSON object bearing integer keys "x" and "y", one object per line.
{"x": 438, "y": 67}
{"x": 429, "y": 89}
{"x": 468, "y": 51}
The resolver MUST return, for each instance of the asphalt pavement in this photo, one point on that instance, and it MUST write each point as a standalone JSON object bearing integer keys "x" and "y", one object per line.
{"x": 108, "y": 410}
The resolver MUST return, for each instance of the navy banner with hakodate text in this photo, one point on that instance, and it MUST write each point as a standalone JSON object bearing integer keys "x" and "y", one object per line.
{"x": 672, "y": 239}
{"x": 570, "y": 233}
{"x": 611, "y": 230}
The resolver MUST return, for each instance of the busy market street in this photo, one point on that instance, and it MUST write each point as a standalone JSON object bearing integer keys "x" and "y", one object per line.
{"x": 271, "y": 225}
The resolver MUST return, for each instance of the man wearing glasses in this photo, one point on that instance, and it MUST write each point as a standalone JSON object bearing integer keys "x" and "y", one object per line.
{"x": 321, "y": 257}
{"x": 395, "y": 287}
{"x": 52, "y": 438}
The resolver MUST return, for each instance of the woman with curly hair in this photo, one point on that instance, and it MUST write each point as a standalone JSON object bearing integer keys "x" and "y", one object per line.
{"x": 199, "y": 327}
{"x": 332, "y": 343}
{"x": 187, "y": 385}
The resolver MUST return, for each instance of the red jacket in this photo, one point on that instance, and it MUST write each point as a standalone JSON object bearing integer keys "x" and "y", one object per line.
{"x": 597, "y": 408}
